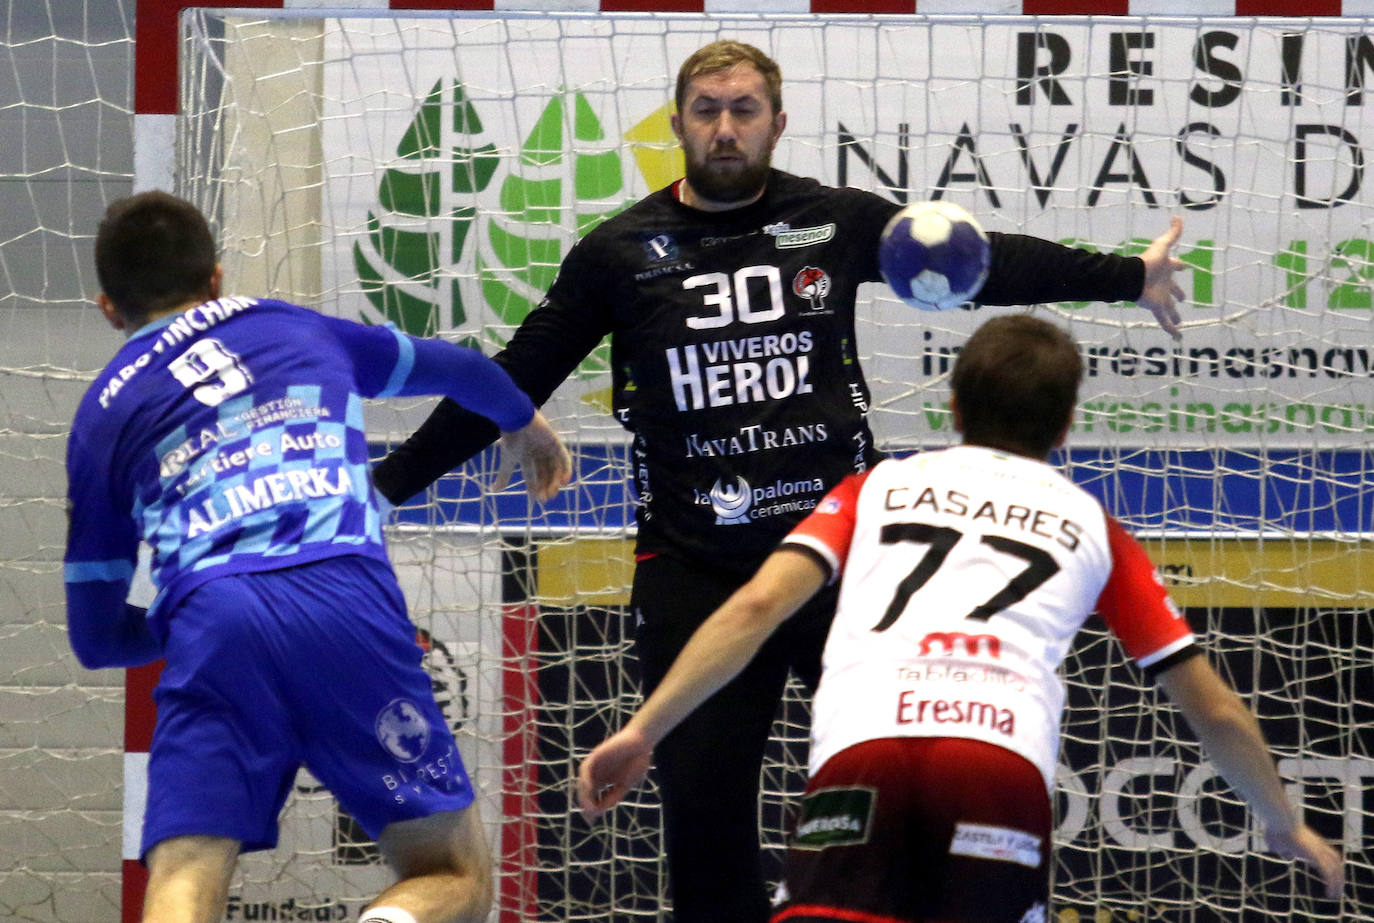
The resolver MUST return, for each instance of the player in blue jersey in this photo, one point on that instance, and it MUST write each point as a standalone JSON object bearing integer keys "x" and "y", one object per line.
{"x": 227, "y": 434}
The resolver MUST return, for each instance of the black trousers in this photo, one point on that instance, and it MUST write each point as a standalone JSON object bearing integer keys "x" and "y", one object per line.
{"x": 708, "y": 767}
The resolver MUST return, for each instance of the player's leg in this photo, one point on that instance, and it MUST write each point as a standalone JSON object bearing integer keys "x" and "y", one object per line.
{"x": 188, "y": 879}
{"x": 371, "y": 730}
{"x": 708, "y": 767}
{"x": 936, "y": 830}
{"x": 444, "y": 870}
{"x": 222, "y": 757}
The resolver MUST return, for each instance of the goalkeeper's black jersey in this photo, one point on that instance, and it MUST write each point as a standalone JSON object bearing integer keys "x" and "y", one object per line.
{"x": 733, "y": 358}
{"x": 733, "y": 354}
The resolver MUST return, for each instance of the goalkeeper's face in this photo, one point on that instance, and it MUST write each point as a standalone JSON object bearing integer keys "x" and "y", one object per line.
{"x": 728, "y": 130}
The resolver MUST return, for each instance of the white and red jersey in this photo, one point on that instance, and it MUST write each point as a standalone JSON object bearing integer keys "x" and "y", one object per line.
{"x": 968, "y": 572}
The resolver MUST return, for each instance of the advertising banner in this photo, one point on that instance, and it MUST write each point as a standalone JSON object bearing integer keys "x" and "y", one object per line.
{"x": 462, "y": 163}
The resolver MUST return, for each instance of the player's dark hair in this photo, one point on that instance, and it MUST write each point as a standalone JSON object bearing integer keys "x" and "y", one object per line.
{"x": 1016, "y": 384}
{"x": 153, "y": 251}
{"x": 722, "y": 56}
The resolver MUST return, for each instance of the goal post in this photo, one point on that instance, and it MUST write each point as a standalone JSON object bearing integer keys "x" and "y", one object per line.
{"x": 431, "y": 170}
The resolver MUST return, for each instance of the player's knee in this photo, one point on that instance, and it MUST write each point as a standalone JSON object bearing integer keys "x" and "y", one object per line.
{"x": 188, "y": 878}
{"x": 209, "y": 857}
{"x": 483, "y": 891}
{"x": 450, "y": 844}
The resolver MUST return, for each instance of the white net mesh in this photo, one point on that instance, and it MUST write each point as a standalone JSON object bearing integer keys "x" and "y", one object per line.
{"x": 432, "y": 170}
{"x": 65, "y": 120}
{"x": 449, "y": 162}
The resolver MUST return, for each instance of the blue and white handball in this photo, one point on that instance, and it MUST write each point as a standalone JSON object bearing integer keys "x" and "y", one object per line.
{"x": 934, "y": 255}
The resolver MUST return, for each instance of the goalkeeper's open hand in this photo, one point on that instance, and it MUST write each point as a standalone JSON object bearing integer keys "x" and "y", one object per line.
{"x": 1161, "y": 294}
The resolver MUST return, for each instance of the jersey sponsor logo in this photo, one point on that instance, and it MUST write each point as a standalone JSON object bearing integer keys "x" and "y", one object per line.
{"x": 861, "y": 451}
{"x": 947, "y": 641}
{"x": 741, "y": 371}
{"x": 265, "y": 492}
{"x": 174, "y": 460}
{"x": 755, "y": 438}
{"x": 665, "y": 269}
{"x": 229, "y": 460}
{"x": 277, "y": 410}
{"x": 813, "y": 284}
{"x": 731, "y": 502}
{"x": 221, "y": 463}
{"x": 911, "y": 710}
{"x": 1000, "y": 844}
{"x": 990, "y": 674}
{"x": 738, "y": 503}
{"x": 720, "y": 240}
{"x": 856, "y": 396}
{"x": 661, "y": 247}
{"x": 784, "y": 238}
{"x": 404, "y": 733}
{"x": 403, "y": 730}
{"x": 442, "y": 772}
{"x": 835, "y": 817}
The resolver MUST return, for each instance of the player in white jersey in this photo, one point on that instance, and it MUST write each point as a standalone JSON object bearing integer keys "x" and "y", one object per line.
{"x": 967, "y": 573}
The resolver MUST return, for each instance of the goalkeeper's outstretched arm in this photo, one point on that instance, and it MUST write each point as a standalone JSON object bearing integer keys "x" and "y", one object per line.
{"x": 542, "y": 353}
{"x": 483, "y": 397}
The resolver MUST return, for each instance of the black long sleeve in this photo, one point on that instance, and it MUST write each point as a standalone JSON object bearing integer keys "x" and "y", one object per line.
{"x": 1031, "y": 270}
{"x": 560, "y": 333}
{"x": 450, "y": 435}
{"x": 545, "y": 349}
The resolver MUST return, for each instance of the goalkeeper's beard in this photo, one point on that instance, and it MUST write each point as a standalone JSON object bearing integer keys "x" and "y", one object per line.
{"x": 730, "y": 186}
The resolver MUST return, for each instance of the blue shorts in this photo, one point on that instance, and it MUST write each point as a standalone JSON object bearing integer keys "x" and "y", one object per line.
{"x": 314, "y": 665}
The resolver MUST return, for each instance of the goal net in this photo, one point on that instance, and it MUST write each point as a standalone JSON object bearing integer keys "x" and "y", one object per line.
{"x": 64, "y": 117}
{"x": 432, "y": 170}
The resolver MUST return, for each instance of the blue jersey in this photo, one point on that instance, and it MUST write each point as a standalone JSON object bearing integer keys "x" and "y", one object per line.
{"x": 230, "y": 438}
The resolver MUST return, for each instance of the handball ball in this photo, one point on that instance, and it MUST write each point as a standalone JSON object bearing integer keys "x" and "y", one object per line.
{"x": 934, "y": 255}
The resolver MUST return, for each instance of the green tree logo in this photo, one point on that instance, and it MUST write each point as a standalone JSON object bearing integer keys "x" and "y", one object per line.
{"x": 418, "y": 248}
{"x": 429, "y": 233}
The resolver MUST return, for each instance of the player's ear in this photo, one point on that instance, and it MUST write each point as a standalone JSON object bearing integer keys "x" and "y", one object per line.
{"x": 1064, "y": 433}
{"x": 779, "y": 123}
{"x": 675, "y": 122}
{"x": 107, "y": 308}
{"x": 216, "y": 281}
